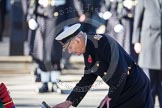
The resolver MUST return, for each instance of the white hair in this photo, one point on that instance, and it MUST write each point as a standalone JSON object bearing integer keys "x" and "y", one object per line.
{"x": 81, "y": 35}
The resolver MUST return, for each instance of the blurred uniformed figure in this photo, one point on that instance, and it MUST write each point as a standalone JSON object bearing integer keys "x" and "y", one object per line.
{"x": 120, "y": 24}
{"x": 88, "y": 13}
{"x": 127, "y": 20}
{"x": 28, "y": 8}
{"x": 2, "y": 17}
{"x": 114, "y": 26}
{"x": 32, "y": 25}
{"x": 147, "y": 37}
{"x": 48, "y": 18}
{"x": 72, "y": 17}
{"x": 105, "y": 58}
{"x": 25, "y": 7}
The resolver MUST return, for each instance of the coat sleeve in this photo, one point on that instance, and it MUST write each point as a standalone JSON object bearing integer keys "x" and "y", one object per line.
{"x": 139, "y": 11}
{"x": 81, "y": 88}
{"x": 117, "y": 67}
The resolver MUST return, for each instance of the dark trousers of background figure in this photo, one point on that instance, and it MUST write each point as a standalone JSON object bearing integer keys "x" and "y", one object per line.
{"x": 31, "y": 37}
{"x": 2, "y": 17}
{"x": 2, "y": 24}
{"x": 156, "y": 84}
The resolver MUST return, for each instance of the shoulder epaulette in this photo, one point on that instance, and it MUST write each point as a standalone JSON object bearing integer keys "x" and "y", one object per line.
{"x": 97, "y": 37}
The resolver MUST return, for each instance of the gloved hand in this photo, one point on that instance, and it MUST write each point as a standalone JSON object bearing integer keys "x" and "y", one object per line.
{"x": 32, "y": 23}
{"x": 118, "y": 28}
{"x": 105, "y": 102}
{"x": 137, "y": 47}
{"x": 43, "y": 3}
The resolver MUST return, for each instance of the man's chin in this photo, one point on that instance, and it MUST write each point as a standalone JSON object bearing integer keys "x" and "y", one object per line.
{"x": 78, "y": 54}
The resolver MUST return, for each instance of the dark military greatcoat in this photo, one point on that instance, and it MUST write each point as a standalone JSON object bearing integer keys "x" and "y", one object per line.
{"x": 104, "y": 57}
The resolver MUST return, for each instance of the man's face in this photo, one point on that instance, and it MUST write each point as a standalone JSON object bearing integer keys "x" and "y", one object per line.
{"x": 77, "y": 46}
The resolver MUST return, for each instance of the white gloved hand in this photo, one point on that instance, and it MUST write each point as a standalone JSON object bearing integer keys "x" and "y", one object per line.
{"x": 128, "y": 4}
{"x": 137, "y": 47}
{"x": 44, "y": 3}
{"x": 107, "y": 15}
{"x": 118, "y": 28}
{"x": 32, "y": 24}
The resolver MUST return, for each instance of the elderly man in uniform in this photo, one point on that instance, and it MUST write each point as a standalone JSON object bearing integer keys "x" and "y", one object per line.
{"x": 104, "y": 57}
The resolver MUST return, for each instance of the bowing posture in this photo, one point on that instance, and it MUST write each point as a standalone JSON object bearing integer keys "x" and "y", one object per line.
{"x": 104, "y": 57}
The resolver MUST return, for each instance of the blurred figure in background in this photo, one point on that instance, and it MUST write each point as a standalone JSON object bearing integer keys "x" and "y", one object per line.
{"x": 41, "y": 18}
{"x": 33, "y": 27}
{"x": 88, "y": 11}
{"x": 70, "y": 18}
{"x": 25, "y": 7}
{"x": 120, "y": 23}
{"x": 114, "y": 27}
{"x": 48, "y": 17}
{"x": 127, "y": 19}
{"x": 2, "y": 17}
{"x": 30, "y": 15}
{"x": 147, "y": 37}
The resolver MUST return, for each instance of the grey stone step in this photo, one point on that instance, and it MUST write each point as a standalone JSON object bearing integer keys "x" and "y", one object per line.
{"x": 16, "y": 59}
{"x": 22, "y": 90}
{"x": 16, "y": 64}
